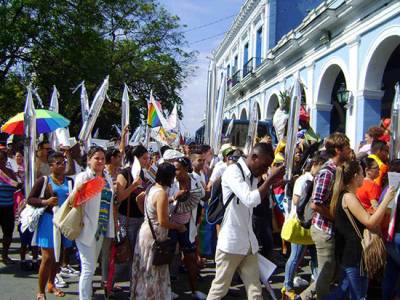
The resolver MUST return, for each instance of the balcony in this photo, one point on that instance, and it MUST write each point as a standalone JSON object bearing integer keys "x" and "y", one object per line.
{"x": 248, "y": 67}
{"x": 235, "y": 78}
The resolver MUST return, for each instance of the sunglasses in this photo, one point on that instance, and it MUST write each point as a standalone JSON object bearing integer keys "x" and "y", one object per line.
{"x": 59, "y": 163}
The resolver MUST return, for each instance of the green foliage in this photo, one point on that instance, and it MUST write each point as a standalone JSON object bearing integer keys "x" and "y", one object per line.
{"x": 284, "y": 100}
{"x": 62, "y": 42}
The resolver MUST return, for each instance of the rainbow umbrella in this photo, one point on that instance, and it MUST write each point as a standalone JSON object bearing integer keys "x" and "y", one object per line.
{"x": 46, "y": 121}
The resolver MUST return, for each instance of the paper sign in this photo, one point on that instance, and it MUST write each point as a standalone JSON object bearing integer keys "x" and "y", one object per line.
{"x": 394, "y": 179}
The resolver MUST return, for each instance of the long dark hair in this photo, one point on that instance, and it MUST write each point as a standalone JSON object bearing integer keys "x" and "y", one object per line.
{"x": 344, "y": 176}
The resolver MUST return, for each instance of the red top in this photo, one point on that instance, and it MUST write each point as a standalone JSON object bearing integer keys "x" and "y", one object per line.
{"x": 367, "y": 192}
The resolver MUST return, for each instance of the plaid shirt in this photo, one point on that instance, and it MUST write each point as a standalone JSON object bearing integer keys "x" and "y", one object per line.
{"x": 322, "y": 194}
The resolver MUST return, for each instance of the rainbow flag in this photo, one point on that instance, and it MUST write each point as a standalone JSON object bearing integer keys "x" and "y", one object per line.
{"x": 153, "y": 119}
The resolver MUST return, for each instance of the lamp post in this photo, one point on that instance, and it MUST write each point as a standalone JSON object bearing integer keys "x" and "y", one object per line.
{"x": 344, "y": 96}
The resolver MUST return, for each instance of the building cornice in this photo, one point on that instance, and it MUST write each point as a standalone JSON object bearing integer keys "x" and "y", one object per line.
{"x": 244, "y": 13}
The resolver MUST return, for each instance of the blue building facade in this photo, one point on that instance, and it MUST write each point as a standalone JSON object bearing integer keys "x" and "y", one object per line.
{"x": 346, "y": 54}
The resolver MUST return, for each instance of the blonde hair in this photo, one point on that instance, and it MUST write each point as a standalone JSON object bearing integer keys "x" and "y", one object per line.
{"x": 344, "y": 176}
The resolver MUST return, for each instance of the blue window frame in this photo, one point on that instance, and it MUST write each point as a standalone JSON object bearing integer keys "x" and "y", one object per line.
{"x": 258, "y": 46}
{"x": 245, "y": 54}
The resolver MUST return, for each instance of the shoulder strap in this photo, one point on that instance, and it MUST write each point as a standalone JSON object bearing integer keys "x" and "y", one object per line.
{"x": 70, "y": 182}
{"x": 233, "y": 194}
{"x": 128, "y": 210}
{"x": 153, "y": 233}
{"x": 352, "y": 221}
{"x": 45, "y": 182}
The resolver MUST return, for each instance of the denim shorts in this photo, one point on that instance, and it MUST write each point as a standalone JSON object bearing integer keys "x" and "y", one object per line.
{"x": 183, "y": 239}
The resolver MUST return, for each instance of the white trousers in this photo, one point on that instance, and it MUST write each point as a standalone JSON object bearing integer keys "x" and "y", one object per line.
{"x": 88, "y": 256}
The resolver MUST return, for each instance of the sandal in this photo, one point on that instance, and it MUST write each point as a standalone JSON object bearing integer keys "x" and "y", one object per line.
{"x": 40, "y": 296}
{"x": 56, "y": 292}
{"x": 117, "y": 289}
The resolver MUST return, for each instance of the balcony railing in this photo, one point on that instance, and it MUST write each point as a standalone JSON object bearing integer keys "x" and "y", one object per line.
{"x": 248, "y": 67}
{"x": 235, "y": 78}
{"x": 258, "y": 61}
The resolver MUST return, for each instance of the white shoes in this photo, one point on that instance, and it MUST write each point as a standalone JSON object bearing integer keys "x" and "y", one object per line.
{"x": 59, "y": 282}
{"x": 174, "y": 295}
{"x": 68, "y": 272}
{"x": 299, "y": 282}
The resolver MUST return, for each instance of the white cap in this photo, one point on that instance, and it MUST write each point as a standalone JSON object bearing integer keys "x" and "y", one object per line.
{"x": 171, "y": 154}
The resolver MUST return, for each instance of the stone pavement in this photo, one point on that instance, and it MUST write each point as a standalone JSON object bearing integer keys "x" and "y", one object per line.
{"x": 16, "y": 284}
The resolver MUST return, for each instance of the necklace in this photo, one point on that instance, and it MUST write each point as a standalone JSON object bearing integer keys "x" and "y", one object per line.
{"x": 57, "y": 181}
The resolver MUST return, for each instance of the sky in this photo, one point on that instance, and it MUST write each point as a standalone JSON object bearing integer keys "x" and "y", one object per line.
{"x": 199, "y": 13}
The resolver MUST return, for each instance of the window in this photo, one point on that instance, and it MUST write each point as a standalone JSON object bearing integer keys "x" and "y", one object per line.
{"x": 228, "y": 71}
{"x": 245, "y": 54}
{"x": 258, "y": 47}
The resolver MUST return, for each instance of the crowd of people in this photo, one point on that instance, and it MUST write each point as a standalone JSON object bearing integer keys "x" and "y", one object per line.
{"x": 149, "y": 198}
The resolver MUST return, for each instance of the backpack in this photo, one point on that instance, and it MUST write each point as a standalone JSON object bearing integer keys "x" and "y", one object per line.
{"x": 216, "y": 208}
{"x": 303, "y": 207}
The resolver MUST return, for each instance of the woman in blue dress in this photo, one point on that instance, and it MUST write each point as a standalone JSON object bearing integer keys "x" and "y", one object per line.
{"x": 55, "y": 193}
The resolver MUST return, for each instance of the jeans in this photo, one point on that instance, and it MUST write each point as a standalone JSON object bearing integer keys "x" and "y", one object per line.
{"x": 263, "y": 230}
{"x": 325, "y": 245}
{"x": 352, "y": 283}
{"x": 296, "y": 255}
{"x": 133, "y": 228}
{"x": 88, "y": 256}
{"x": 392, "y": 270}
{"x": 105, "y": 257}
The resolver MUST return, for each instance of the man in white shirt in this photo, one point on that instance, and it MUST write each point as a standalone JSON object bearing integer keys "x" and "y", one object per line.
{"x": 237, "y": 244}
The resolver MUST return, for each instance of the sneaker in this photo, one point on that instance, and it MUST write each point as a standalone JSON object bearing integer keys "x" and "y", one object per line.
{"x": 174, "y": 295}
{"x": 299, "y": 282}
{"x": 68, "y": 272}
{"x": 59, "y": 282}
{"x": 289, "y": 295}
{"x": 199, "y": 295}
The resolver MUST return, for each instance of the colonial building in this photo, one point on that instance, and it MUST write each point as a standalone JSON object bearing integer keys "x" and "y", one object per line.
{"x": 346, "y": 54}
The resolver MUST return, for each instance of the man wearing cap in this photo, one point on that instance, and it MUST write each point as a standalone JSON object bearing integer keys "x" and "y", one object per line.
{"x": 220, "y": 167}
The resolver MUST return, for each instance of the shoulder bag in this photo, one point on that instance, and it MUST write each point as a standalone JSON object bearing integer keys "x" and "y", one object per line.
{"x": 162, "y": 252}
{"x": 30, "y": 215}
{"x": 373, "y": 248}
{"x": 69, "y": 219}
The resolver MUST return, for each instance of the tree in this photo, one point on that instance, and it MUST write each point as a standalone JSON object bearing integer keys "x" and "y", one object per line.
{"x": 61, "y": 42}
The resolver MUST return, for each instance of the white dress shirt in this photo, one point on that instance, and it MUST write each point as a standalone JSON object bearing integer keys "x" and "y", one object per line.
{"x": 237, "y": 235}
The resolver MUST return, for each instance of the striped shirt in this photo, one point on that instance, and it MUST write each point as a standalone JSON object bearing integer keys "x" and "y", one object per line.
{"x": 6, "y": 194}
{"x": 322, "y": 194}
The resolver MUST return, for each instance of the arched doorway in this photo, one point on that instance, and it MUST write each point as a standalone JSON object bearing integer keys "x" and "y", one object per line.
{"x": 391, "y": 76}
{"x": 233, "y": 116}
{"x": 258, "y": 111}
{"x": 243, "y": 114}
{"x": 272, "y": 106}
{"x": 331, "y": 113}
{"x": 382, "y": 71}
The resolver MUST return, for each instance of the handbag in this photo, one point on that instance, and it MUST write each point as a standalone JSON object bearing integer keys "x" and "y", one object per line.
{"x": 162, "y": 252}
{"x": 69, "y": 219}
{"x": 30, "y": 215}
{"x": 373, "y": 257}
{"x": 293, "y": 232}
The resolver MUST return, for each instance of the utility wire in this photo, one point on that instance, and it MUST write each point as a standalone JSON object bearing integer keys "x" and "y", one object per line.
{"x": 209, "y": 24}
{"x": 207, "y": 38}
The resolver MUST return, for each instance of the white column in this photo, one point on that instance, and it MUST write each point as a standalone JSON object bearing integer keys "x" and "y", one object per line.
{"x": 352, "y": 85}
{"x": 310, "y": 99}
{"x": 266, "y": 30}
